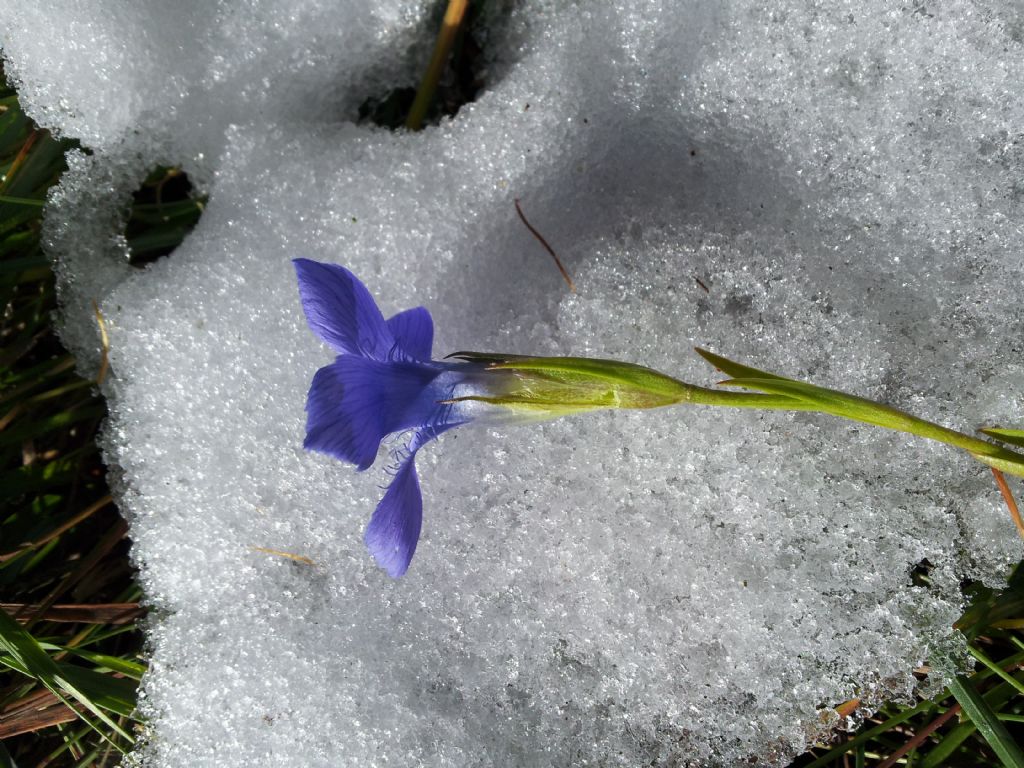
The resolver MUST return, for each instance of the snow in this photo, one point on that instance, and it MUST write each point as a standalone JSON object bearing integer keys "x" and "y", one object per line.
{"x": 686, "y": 586}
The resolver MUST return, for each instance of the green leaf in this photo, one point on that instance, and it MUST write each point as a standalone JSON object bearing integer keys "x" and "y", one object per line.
{"x": 736, "y": 370}
{"x": 988, "y": 724}
{"x": 1011, "y": 436}
{"x": 25, "y": 653}
{"x": 188, "y": 211}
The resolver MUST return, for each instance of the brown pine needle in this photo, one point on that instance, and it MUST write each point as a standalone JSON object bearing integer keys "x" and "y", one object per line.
{"x": 548, "y": 248}
{"x": 297, "y": 558}
{"x": 1008, "y": 498}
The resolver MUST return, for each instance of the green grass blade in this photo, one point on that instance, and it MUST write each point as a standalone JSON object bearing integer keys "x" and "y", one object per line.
{"x": 131, "y": 669}
{"x": 115, "y": 694}
{"x": 1011, "y": 436}
{"x": 30, "y": 659}
{"x": 22, "y": 201}
{"x": 27, "y": 654}
{"x": 1010, "y": 679}
{"x": 988, "y": 724}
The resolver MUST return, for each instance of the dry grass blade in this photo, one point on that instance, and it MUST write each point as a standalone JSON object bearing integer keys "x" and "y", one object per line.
{"x": 39, "y": 709}
{"x": 108, "y": 613}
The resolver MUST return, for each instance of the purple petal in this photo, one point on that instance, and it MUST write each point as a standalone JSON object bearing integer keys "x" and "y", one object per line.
{"x": 394, "y": 529}
{"x": 413, "y": 329}
{"x": 341, "y": 311}
{"x": 354, "y": 403}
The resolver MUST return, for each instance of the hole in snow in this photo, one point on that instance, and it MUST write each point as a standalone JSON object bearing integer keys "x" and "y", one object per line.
{"x": 164, "y": 210}
{"x": 461, "y": 81}
{"x": 920, "y": 574}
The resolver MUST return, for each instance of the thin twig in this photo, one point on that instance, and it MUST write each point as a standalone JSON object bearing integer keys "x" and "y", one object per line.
{"x": 453, "y": 18}
{"x": 1008, "y": 498}
{"x": 548, "y": 248}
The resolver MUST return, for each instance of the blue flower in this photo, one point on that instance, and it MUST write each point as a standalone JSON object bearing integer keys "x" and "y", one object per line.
{"x": 383, "y": 382}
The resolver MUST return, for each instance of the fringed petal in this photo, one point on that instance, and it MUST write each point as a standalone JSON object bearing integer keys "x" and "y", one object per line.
{"x": 394, "y": 529}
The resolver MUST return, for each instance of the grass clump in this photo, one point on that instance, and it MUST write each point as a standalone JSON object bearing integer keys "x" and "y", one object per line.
{"x": 70, "y": 642}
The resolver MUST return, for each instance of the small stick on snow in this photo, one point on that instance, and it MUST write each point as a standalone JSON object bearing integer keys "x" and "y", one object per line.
{"x": 1008, "y": 498}
{"x": 540, "y": 238}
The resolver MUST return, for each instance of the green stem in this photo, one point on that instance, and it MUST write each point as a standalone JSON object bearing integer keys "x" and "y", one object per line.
{"x": 855, "y": 408}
